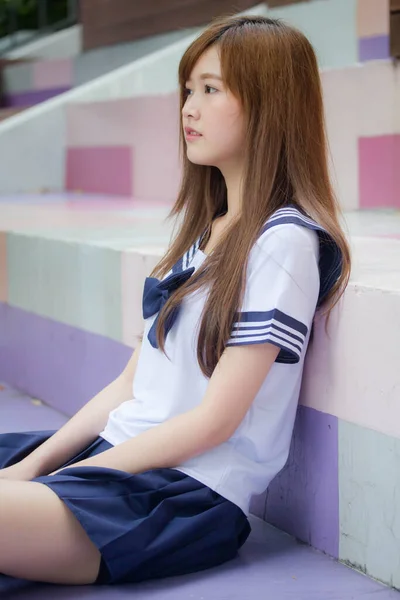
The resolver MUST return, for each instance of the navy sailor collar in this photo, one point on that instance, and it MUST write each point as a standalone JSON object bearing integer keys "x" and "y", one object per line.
{"x": 330, "y": 256}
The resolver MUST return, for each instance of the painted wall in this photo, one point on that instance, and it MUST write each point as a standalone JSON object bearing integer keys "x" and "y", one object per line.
{"x": 352, "y": 31}
{"x": 39, "y": 80}
{"x": 363, "y": 126}
{"x": 111, "y": 149}
{"x": 334, "y": 492}
{"x": 373, "y": 18}
{"x": 31, "y": 83}
{"x": 34, "y": 143}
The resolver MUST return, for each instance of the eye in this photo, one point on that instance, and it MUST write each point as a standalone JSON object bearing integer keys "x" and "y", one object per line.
{"x": 208, "y": 89}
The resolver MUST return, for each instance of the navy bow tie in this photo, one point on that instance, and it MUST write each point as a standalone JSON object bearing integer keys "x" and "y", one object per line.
{"x": 155, "y": 295}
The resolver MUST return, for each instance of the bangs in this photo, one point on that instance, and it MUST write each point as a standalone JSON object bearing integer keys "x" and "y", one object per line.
{"x": 190, "y": 58}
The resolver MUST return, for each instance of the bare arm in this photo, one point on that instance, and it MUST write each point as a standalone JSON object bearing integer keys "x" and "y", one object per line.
{"x": 231, "y": 390}
{"x": 83, "y": 428}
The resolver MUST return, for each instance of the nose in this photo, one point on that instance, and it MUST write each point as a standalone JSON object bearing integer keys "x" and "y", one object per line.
{"x": 190, "y": 109}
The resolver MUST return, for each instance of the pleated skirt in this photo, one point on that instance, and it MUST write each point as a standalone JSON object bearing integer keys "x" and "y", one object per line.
{"x": 159, "y": 523}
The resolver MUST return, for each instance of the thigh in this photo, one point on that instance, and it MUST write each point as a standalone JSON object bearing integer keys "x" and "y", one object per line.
{"x": 41, "y": 540}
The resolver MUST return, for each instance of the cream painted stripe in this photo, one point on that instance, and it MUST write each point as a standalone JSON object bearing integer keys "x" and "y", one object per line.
{"x": 354, "y": 375}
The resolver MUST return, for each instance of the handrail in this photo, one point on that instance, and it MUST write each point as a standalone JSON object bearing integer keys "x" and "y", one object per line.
{"x": 44, "y": 25}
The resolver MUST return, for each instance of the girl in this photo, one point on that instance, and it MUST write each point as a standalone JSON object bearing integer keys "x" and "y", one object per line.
{"x": 154, "y": 476}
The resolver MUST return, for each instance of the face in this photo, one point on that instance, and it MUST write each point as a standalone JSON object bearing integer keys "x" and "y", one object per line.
{"x": 216, "y": 114}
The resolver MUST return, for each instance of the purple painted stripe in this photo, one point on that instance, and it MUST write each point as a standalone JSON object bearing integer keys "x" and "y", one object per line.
{"x": 373, "y": 48}
{"x": 18, "y": 413}
{"x": 61, "y": 365}
{"x": 32, "y": 97}
{"x": 304, "y": 498}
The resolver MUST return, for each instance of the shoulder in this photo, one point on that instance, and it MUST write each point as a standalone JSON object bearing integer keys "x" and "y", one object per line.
{"x": 288, "y": 235}
{"x": 287, "y": 238}
{"x": 293, "y": 240}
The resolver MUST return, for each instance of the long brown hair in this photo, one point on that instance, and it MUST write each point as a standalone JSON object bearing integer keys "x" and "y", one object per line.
{"x": 272, "y": 69}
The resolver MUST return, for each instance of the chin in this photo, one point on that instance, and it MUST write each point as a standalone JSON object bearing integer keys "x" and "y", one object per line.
{"x": 198, "y": 160}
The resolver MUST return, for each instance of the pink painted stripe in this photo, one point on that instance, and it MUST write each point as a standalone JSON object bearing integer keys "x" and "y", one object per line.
{"x": 106, "y": 170}
{"x": 379, "y": 171}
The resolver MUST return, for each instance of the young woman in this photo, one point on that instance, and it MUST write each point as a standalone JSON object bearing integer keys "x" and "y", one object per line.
{"x": 154, "y": 476}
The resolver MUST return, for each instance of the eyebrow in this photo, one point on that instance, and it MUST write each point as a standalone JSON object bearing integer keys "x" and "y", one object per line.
{"x": 209, "y": 76}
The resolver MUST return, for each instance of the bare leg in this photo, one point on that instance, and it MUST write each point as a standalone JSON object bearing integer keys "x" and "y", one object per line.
{"x": 41, "y": 540}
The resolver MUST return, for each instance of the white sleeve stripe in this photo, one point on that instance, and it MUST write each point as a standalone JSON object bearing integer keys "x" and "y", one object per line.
{"x": 271, "y": 330}
{"x": 275, "y": 316}
{"x": 244, "y": 341}
{"x": 254, "y": 326}
{"x": 266, "y": 336}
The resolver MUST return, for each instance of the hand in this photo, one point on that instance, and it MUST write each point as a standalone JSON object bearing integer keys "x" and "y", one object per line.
{"x": 19, "y": 472}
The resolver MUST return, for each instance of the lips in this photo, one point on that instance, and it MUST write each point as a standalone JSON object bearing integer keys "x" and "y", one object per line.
{"x": 190, "y": 131}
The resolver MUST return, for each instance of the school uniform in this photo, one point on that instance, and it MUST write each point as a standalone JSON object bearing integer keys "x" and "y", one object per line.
{"x": 193, "y": 516}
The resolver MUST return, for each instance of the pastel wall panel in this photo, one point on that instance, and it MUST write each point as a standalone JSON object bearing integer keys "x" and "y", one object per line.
{"x": 376, "y": 108}
{"x": 304, "y": 498}
{"x": 18, "y": 78}
{"x": 76, "y": 284}
{"x": 99, "y": 61}
{"x": 48, "y": 74}
{"x": 135, "y": 267}
{"x": 360, "y": 101}
{"x": 149, "y": 123}
{"x": 106, "y": 170}
{"x": 32, "y": 97}
{"x": 373, "y": 48}
{"x": 96, "y": 124}
{"x": 369, "y": 480}
{"x": 157, "y": 149}
{"x": 379, "y": 171}
{"x": 63, "y": 365}
{"x": 373, "y": 29}
{"x": 3, "y": 267}
{"x": 341, "y": 98}
{"x": 329, "y": 24}
{"x": 353, "y": 374}
{"x": 372, "y": 17}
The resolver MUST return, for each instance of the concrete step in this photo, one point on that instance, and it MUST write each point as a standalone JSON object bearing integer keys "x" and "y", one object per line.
{"x": 71, "y": 279}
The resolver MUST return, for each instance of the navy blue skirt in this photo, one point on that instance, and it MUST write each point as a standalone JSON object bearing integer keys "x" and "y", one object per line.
{"x": 158, "y": 523}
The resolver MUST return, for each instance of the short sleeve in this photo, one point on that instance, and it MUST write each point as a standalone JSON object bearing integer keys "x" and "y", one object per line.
{"x": 281, "y": 291}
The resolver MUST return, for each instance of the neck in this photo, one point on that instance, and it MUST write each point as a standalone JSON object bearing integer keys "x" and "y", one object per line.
{"x": 233, "y": 180}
